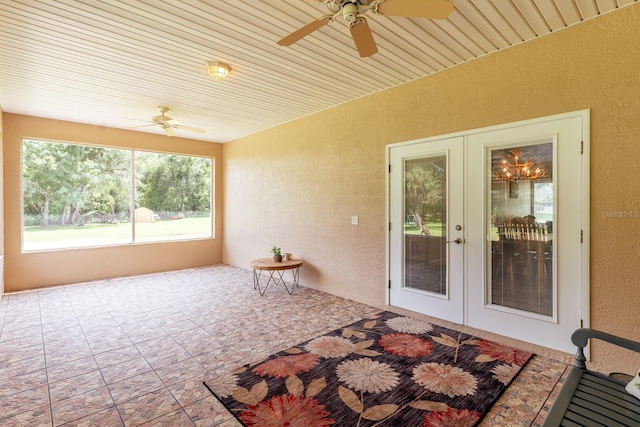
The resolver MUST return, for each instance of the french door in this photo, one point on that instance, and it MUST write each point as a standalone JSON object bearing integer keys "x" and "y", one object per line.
{"x": 427, "y": 232}
{"x": 488, "y": 228}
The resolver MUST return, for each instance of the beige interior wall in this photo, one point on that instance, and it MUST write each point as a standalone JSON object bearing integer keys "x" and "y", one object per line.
{"x": 38, "y": 269}
{"x": 1, "y": 208}
{"x": 298, "y": 184}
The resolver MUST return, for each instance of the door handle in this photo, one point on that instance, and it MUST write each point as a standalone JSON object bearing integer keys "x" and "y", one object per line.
{"x": 458, "y": 241}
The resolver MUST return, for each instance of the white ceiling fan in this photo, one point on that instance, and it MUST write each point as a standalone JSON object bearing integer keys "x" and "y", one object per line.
{"x": 352, "y": 11}
{"x": 168, "y": 124}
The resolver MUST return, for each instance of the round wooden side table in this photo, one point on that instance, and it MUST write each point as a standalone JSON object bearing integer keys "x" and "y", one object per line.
{"x": 276, "y": 272}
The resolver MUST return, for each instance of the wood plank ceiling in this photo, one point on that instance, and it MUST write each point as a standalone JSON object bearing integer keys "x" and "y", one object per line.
{"x": 112, "y": 62}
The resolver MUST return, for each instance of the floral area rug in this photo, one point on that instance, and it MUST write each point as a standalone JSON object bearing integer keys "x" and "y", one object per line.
{"x": 389, "y": 370}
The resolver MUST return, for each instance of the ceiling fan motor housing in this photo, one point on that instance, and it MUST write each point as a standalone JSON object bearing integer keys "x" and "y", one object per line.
{"x": 350, "y": 12}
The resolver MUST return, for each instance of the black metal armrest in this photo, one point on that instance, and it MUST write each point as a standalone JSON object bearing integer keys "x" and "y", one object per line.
{"x": 581, "y": 337}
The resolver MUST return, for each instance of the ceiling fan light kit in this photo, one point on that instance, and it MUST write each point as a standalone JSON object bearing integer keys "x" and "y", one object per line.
{"x": 218, "y": 70}
{"x": 352, "y": 10}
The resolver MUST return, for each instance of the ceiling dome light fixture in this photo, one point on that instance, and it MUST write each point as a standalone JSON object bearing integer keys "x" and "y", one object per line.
{"x": 218, "y": 70}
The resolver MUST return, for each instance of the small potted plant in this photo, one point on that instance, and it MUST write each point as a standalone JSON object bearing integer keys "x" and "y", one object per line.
{"x": 277, "y": 255}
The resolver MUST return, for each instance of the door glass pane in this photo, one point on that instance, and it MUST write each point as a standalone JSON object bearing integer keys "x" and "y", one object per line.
{"x": 425, "y": 228}
{"x": 521, "y": 226}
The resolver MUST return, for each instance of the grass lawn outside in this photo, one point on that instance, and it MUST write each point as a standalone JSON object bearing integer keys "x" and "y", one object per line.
{"x": 434, "y": 227}
{"x": 63, "y": 237}
{"x": 436, "y": 230}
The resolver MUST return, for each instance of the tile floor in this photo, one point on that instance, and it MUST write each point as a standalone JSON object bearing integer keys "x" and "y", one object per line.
{"x": 134, "y": 351}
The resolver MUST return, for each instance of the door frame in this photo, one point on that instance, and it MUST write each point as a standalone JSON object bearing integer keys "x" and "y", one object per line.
{"x": 584, "y": 115}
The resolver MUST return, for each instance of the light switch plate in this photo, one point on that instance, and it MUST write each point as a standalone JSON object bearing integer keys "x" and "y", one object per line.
{"x": 354, "y": 220}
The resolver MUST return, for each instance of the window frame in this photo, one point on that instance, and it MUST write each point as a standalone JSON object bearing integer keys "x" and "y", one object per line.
{"x": 209, "y": 234}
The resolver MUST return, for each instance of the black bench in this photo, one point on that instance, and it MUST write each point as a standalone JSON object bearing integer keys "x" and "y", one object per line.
{"x": 591, "y": 399}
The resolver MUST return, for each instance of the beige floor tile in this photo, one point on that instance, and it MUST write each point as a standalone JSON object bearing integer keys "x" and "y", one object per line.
{"x": 63, "y": 334}
{"x": 114, "y": 357}
{"x": 136, "y": 386}
{"x": 10, "y": 355}
{"x": 20, "y": 338}
{"x": 207, "y": 412}
{"x": 177, "y": 418}
{"x": 180, "y": 370}
{"x": 24, "y": 401}
{"x": 189, "y": 390}
{"x": 80, "y": 406}
{"x": 76, "y": 385}
{"x": 124, "y": 370}
{"x": 66, "y": 354}
{"x": 105, "y": 418}
{"x": 23, "y": 382}
{"x": 153, "y": 339}
{"x": 218, "y": 358}
{"x": 40, "y": 417}
{"x": 201, "y": 345}
{"x": 147, "y": 407}
{"x": 71, "y": 369}
{"x": 109, "y": 344}
{"x": 229, "y": 422}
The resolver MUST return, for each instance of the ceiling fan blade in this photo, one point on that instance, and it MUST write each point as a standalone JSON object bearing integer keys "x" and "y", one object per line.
{"x": 142, "y": 126}
{"x": 306, "y": 30}
{"x": 430, "y": 9}
{"x": 190, "y": 129}
{"x": 363, "y": 37}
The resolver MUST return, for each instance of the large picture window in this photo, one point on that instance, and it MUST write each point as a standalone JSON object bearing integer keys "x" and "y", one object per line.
{"x": 85, "y": 196}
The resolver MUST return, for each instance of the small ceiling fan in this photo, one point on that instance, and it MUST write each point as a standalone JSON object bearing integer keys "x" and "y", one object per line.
{"x": 168, "y": 124}
{"x": 352, "y": 11}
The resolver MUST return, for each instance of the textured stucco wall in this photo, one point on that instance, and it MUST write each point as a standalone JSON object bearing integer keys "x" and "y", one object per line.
{"x": 297, "y": 187}
{"x": 39, "y": 269}
{"x": 298, "y": 184}
{"x": 1, "y": 209}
